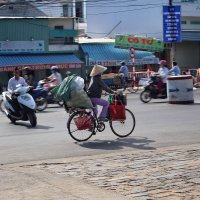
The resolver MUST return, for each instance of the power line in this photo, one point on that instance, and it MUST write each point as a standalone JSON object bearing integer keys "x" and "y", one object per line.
{"x": 120, "y": 11}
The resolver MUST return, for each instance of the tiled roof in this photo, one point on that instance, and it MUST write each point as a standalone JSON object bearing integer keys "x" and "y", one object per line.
{"x": 20, "y": 10}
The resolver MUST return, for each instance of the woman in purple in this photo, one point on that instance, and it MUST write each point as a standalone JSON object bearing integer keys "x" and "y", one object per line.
{"x": 95, "y": 88}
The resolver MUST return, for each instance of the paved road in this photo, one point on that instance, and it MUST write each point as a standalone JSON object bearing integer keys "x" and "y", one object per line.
{"x": 158, "y": 124}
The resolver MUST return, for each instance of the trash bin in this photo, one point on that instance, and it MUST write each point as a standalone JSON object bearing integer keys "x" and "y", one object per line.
{"x": 180, "y": 89}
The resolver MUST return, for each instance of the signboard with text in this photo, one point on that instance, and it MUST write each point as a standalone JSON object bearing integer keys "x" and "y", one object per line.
{"x": 107, "y": 63}
{"x": 138, "y": 43}
{"x": 172, "y": 23}
{"x": 41, "y": 66}
{"x": 22, "y": 46}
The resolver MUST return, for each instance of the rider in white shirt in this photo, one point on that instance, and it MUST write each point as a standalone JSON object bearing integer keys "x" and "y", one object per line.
{"x": 16, "y": 80}
{"x": 163, "y": 72}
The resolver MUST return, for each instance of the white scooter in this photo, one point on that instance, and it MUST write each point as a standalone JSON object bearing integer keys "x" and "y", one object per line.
{"x": 20, "y": 105}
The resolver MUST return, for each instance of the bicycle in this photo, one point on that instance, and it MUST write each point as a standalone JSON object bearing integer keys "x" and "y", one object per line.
{"x": 83, "y": 124}
{"x": 133, "y": 84}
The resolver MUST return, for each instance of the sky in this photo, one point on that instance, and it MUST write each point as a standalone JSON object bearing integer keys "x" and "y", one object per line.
{"x": 140, "y": 17}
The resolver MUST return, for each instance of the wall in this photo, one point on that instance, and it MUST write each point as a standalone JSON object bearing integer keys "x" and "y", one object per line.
{"x": 67, "y": 23}
{"x": 187, "y": 54}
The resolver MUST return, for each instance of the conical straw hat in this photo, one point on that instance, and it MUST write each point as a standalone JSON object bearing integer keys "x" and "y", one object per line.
{"x": 97, "y": 69}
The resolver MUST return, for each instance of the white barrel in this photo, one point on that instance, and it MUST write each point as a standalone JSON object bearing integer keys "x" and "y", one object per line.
{"x": 180, "y": 89}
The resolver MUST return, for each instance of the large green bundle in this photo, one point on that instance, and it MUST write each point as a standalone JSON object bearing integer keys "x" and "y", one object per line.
{"x": 71, "y": 91}
{"x": 79, "y": 99}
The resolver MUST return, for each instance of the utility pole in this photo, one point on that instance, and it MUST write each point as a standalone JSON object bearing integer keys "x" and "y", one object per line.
{"x": 171, "y": 46}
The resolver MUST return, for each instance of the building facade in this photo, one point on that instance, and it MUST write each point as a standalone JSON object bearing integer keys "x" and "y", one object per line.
{"x": 38, "y": 43}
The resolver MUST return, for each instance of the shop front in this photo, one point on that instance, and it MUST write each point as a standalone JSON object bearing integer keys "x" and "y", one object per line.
{"x": 39, "y": 64}
{"x": 107, "y": 55}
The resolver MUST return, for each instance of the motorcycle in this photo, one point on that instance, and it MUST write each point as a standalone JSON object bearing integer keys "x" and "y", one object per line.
{"x": 20, "y": 105}
{"x": 49, "y": 98}
{"x": 151, "y": 90}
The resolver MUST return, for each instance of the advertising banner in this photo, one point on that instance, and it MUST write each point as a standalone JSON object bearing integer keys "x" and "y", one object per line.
{"x": 138, "y": 43}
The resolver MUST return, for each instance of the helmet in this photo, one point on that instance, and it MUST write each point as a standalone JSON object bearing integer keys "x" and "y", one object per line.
{"x": 123, "y": 62}
{"x": 54, "y": 68}
{"x": 163, "y": 62}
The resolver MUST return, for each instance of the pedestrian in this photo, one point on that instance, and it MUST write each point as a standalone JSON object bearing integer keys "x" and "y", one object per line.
{"x": 124, "y": 70}
{"x": 175, "y": 70}
{"x": 94, "y": 91}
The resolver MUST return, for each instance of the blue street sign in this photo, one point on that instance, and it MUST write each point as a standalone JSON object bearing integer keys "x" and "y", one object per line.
{"x": 172, "y": 24}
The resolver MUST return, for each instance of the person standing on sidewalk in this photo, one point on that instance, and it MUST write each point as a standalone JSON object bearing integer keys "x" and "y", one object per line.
{"x": 175, "y": 70}
{"x": 94, "y": 91}
{"x": 124, "y": 70}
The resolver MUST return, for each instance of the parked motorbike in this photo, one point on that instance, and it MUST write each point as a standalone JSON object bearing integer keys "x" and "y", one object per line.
{"x": 20, "y": 105}
{"x": 151, "y": 90}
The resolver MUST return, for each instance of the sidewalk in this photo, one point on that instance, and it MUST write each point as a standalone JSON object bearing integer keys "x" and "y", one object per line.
{"x": 166, "y": 173}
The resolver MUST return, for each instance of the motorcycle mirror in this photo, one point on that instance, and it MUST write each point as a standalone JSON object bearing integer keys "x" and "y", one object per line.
{"x": 18, "y": 85}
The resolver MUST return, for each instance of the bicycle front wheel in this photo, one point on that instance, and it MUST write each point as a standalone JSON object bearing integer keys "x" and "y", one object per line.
{"x": 81, "y": 125}
{"x": 125, "y": 127}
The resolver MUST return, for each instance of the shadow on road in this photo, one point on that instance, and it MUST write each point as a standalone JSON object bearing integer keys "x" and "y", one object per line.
{"x": 119, "y": 143}
{"x": 27, "y": 125}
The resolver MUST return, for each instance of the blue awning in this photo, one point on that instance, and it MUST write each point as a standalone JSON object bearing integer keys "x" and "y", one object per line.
{"x": 15, "y": 60}
{"x": 107, "y": 54}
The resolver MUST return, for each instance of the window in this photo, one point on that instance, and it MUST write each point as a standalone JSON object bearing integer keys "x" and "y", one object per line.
{"x": 58, "y": 27}
{"x": 195, "y": 22}
{"x": 79, "y": 9}
{"x": 183, "y": 22}
{"x": 65, "y": 10}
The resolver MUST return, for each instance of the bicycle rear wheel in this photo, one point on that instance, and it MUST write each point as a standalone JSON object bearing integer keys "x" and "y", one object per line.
{"x": 124, "y": 128}
{"x": 81, "y": 125}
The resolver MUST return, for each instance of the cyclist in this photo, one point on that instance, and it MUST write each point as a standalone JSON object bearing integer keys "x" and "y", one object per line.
{"x": 124, "y": 70}
{"x": 94, "y": 91}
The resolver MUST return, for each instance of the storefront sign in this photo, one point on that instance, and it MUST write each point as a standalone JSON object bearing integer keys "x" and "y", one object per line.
{"x": 22, "y": 46}
{"x": 142, "y": 61}
{"x": 104, "y": 62}
{"x": 139, "y": 43}
{"x": 41, "y": 67}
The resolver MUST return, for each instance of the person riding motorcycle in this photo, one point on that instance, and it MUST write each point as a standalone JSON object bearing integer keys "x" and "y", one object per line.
{"x": 163, "y": 74}
{"x": 55, "y": 78}
{"x": 19, "y": 80}
{"x": 29, "y": 76}
{"x": 16, "y": 80}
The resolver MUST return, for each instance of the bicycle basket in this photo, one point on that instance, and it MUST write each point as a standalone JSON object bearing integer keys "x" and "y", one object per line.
{"x": 119, "y": 97}
{"x": 117, "y": 111}
{"x": 83, "y": 122}
{"x": 117, "y": 80}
